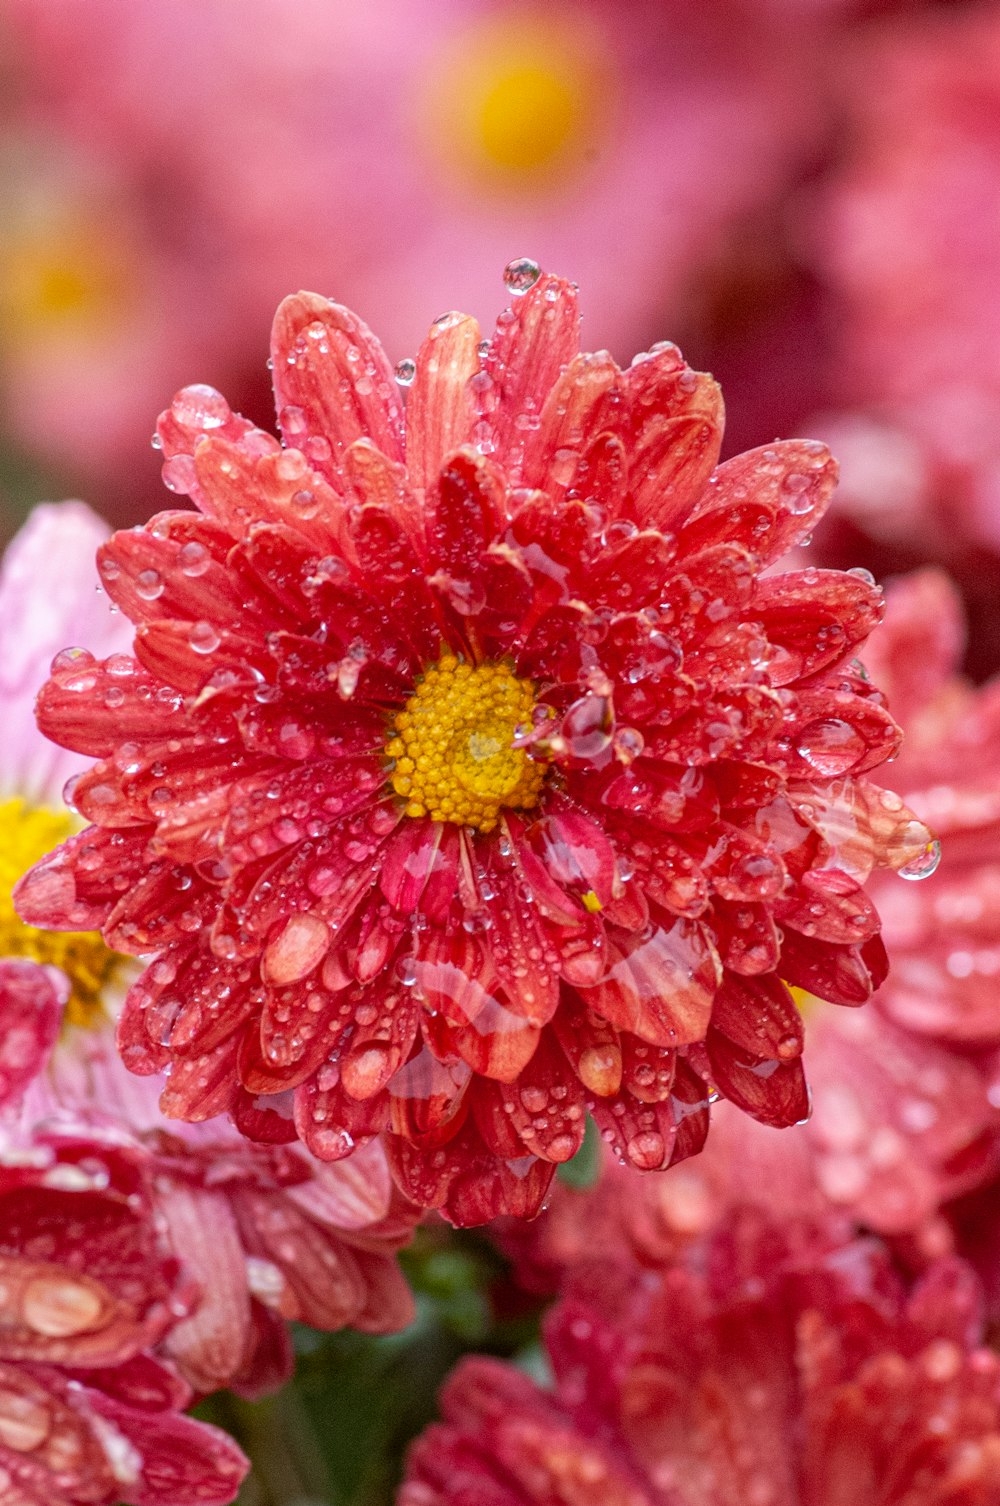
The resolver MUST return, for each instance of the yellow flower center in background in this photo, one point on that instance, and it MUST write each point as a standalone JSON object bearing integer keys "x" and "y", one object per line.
{"x": 60, "y": 277}
{"x": 516, "y": 101}
{"x": 27, "y": 834}
{"x": 452, "y": 749}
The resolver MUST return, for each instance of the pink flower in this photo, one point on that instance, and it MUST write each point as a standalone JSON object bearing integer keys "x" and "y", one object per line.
{"x": 907, "y": 234}
{"x": 444, "y": 141}
{"x": 266, "y": 1234}
{"x": 461, "y": 796}
{"x": 88, "y": 1416}
{"x": 777, "y": 1365}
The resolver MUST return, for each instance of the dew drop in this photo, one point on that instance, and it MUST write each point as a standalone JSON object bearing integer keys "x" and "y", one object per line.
{"x": 520, "y": 275}
{"x": 193, "y": 558}
{"x": 924, "y": 864}
{"x": 406, "y": 370}
{"x": 149, "y": 584}
{"x": 200, "y": 407}
{"x": 830, "y": 745}
{"x": 203, "y": 638}
{"x": 797, "y": 490}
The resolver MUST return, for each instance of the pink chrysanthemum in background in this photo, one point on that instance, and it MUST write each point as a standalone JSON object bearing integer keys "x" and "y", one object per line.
{"x": 470, "y": 774}
{"x": 779, "y": 1365}
{"x": 904, "y": 235}
{"x": 264, "y": 1234}
{"x": 88, "y": 1415}
{"x": 391, "y": 154}
{"x": 905, "y": 1094}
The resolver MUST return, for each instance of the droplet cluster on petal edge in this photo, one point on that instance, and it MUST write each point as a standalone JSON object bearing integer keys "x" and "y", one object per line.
{"x": 473, "y": 774}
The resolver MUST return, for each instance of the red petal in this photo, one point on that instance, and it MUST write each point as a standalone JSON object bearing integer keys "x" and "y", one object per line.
{"x": 674, "y": 432}
{"x": 793, "y": 479}
{"x": 332, "y": 382}
{"x": 440, "y": 410}
{"x": 662, "y": 988}
{"x": 95, "y": 708}
{"x": 816, "y": 617}
{"x": 772, "y": 1091}
{"x": 574, "y": 411}
{"x": 535, "y": 339}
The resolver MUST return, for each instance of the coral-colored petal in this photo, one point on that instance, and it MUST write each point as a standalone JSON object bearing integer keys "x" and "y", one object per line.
{"x": 535, "y": 339}
{"x": 332, "y": 382}
{"x": 441, "y": 408}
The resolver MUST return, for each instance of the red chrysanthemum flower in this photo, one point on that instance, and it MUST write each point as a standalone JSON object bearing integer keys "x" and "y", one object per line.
{"x": 469, "y": 774}
{"x": 776, "y": 1368}
{"x": 88, "y": 1415}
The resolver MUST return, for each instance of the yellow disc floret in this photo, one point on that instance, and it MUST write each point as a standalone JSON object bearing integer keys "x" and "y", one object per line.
{"x": 27, "y": 834}
{"x": 453, "y": 745}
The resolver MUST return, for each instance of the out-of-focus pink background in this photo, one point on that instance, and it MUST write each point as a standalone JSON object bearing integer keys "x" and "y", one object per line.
{"x": 804, "y": 194}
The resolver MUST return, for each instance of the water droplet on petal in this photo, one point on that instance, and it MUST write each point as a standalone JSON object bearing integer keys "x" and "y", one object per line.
{"x": 830, "y": 745}
{"x": 406, "y": 370}
{"x": 58, "y": 1306}
{"x": 203, "y": 638}
{"x": 200, "y": 407}
{"x": 149, "y": 584}
{"x": 521, "y": 275}
{"x": 924, "y": 864}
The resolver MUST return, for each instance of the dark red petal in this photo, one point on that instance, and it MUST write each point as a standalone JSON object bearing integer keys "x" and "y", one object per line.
{"x": 840, "y": 974}
{"x": 769, "y": 1090}
{"x": 759, "y": 1016}
{"x": 184, "y": 1462}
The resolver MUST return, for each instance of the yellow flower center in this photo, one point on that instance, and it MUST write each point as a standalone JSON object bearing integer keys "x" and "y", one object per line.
{"x": 515, "y": 101}
{"x": 60, "y": 279}
{"x": 27, "y": 834}
{"x": 453, "y": 752}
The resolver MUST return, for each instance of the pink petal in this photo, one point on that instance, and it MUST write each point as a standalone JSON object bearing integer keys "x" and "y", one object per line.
{"x": 30, "y": 1014}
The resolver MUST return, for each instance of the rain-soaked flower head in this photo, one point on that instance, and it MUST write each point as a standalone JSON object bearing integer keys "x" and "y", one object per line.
{"x": 469, "y": 774}
{"x": 779, "y": 1367}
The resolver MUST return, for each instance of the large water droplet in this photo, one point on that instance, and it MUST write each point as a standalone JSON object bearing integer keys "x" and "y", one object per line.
{"x": 200, "y": 407}
{"x": 203, "y": 638}
{"x": 924, "y": 864}
{"x": 830, "y": 745}
{"x": 406, "y": 370}
{"x": 521, "y": 275}
{"x": 58, "y": 1306}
